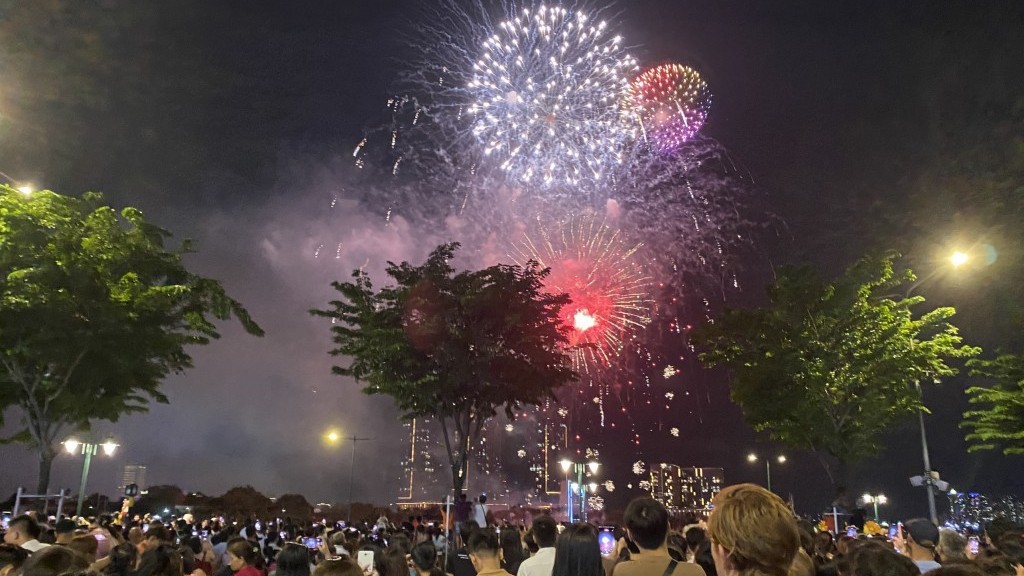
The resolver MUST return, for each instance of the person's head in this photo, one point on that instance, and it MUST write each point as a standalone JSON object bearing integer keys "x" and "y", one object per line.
{"x": 11, "y": 558}
{"x": 484, "y": 550}
{"x": 242, "y": 553}
{"x": 164, "y": 560}
{"x": 22, "y": 529}
{"x": 293, "y": 560}
{"x": 469, "y": 527}
{"x": 545, "y": 531}
{"x": 695, "y": 536}
{"x": 341, "y": 566}
{"x": 85, "y": 545}
{"x": 122, "y": 559}
{"x": 877, "y": 560}
{"x": 136, "y": 535}
{"x": 64, "y": 530}
{"x": 752, "y": 531}
{"x": 577, "y": 552}
{"x": 646, "y": 522}
{"x": 922, "y": 536}
{"x": 483, "y": 498}
{"x": 952, "y": 547}
{"x": 393, "y": 562}
{"x": 401, "y": 543}
{"x": 424, "y": 559}
{"x": 53, "y": 561}
{"x": 156, "y": 535}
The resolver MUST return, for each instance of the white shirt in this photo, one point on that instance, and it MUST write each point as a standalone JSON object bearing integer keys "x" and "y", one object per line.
{"x": 480, "y": 514}
{"x": 33, "y": 546}
{"x": 540, "y": 564}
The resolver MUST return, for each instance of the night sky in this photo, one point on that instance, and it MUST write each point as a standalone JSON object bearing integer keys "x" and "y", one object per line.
{"x": 229, "y": 123}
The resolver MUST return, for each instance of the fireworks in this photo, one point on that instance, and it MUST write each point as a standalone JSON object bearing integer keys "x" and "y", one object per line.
{"x": 546, "y": 95}
{"x": 601, "y": 274}
{"x": 671, "y": 103}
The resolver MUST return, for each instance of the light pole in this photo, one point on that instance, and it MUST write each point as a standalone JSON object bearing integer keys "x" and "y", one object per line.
{"x": 781, "y": 459}
{"x": 956, "y": 260}
{"x": 875, "y": 499}
{"x": 578, "y": 487}
{"x": 333, "y": 437}
{"x": 88, "y": 449}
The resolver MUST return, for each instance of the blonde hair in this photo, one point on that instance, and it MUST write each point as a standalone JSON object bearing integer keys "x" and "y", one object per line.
{"x": 756, "y": 528}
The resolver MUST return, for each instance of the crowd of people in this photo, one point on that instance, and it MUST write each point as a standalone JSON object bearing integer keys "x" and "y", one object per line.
{"x": 749, "y": 532}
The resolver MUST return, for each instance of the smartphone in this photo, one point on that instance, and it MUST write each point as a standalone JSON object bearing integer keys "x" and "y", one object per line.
{"x": 284, "y": 535}
{"x": 5, "y": 520}
{"x": 973, "y": 544}
{"x": 365, "y": 560}
{"x": 606, "y": 540}
{"x": 258, "y": 526}
{"x": 893, "y": 531}
{"x": 851, "y": 531}
{"x": 311, "y": 543}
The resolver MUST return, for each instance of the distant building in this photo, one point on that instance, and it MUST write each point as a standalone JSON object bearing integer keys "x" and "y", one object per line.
{"x": 685, "y": 489}
{"x": 132, "y": 474}
{"x": 971, "y": 510}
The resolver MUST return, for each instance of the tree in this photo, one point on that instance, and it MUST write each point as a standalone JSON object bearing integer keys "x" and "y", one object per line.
{"x": 241, "y": 502}
{"x": 94, "y": 312}
{"x": 294, "y": 506}
{"x": 455, "y": 347}
{"x": 1000, "y": 422}
{"x": 158, "y": 498}
{"x": 828, "y": 366}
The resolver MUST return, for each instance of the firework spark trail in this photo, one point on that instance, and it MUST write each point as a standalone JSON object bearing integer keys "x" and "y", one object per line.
{"x": 609, "y": 289}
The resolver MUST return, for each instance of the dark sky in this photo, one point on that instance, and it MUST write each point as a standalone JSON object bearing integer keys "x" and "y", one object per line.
{"x": 229, "y": 122}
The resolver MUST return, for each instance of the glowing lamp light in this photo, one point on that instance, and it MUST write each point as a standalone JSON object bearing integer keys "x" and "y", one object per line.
{"x": 751, "y": 457}
{"x": 26, "y": 190}
{"x": 332, "y": 436}
{"x": 72, "y": 445}
{"x": 781, "y": 459}
{"x": 109, "y": 446}
{"x": 958, "y": 259}
{"x": 593, "y": 487}
{"x": 583, "y": 321}
{"x": 593, "y": 465}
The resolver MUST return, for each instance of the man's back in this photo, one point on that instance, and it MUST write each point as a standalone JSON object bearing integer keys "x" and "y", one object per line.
{"x": 540, "y": 564}
{"x": 655, "y": 565}
{"x": 459, "y": 563}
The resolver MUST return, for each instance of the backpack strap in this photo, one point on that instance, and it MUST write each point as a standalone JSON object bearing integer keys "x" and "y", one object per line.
{"x": 671, "y": 568}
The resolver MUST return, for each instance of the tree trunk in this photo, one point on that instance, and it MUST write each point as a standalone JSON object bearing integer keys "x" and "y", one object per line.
{"x": 46, "y": 457}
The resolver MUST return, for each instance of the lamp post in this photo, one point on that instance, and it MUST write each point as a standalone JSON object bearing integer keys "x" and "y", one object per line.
{"x": 956, "y": 260}
{"x": 589, "y": 468}
{"x": 333, "y": 437}
{"x": 88, "y": 449}
{"x": 781, "y": 459}
{"x": 875, "y": 499}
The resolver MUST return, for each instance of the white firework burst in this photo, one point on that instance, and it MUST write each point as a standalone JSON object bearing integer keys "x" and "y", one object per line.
{"x": 547, "y": 94}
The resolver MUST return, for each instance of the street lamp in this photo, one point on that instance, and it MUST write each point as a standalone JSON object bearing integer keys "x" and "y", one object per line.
{"x": 578, "y": 487}
{"x": 781, "y": 459}
{"x": 332, "y": 436}
{"x": 88, "y": 449}
{"x": 875, "y": 499}
{"x": 930, "y": 478}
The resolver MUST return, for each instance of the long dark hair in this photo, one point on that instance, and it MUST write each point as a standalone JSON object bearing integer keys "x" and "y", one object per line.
{"x": 293, "y": 560}
{"x": 511, "y": 549}
{"x": 577, "y": 552}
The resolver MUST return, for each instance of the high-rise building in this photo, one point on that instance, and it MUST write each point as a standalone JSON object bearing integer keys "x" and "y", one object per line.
{"x": 685, "y": 489}
{"x": 132, "y": 474}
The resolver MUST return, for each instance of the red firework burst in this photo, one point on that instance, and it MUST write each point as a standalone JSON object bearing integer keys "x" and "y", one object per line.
{"x": 609, "y": 290}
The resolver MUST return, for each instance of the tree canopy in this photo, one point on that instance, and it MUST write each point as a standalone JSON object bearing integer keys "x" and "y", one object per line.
{"x": 827, "y": 366}
{"x": 457, "y": 347}
{"x": 95, "y": 311}
{"x": 999, "y": 420}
